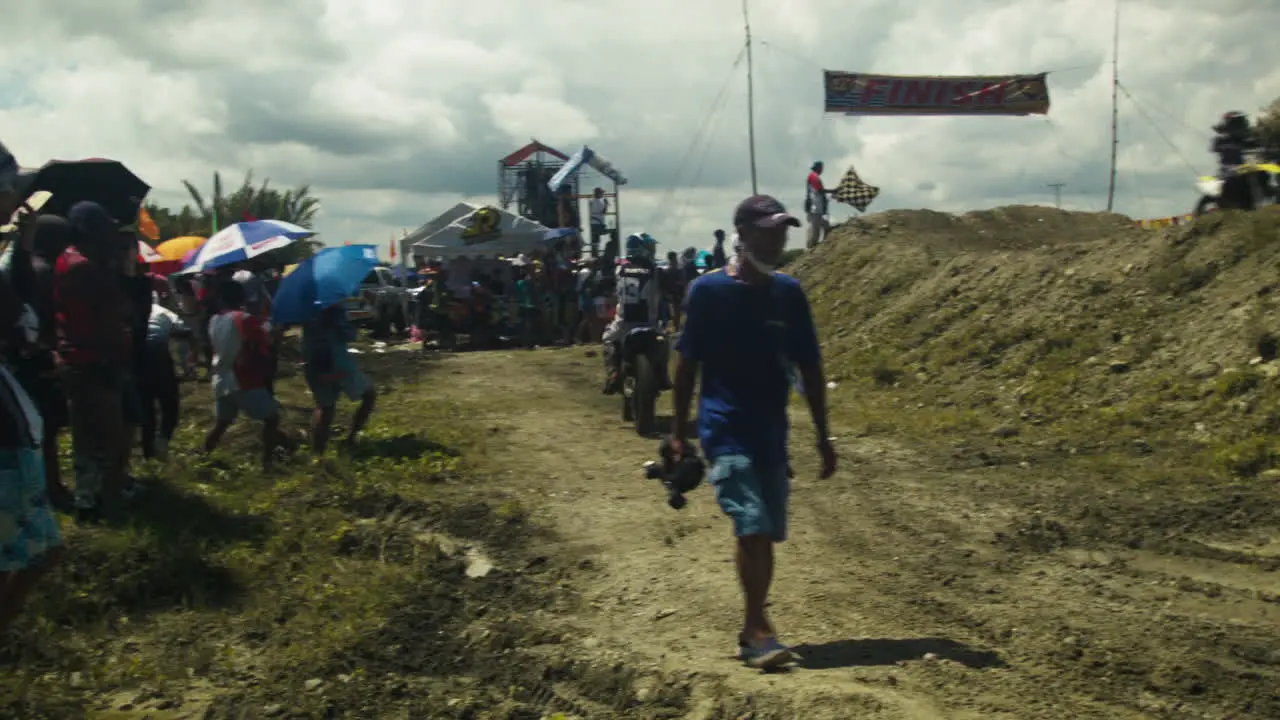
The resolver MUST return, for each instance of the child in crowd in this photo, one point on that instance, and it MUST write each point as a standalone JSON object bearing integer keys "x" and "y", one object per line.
{"x": 330, "y": 372}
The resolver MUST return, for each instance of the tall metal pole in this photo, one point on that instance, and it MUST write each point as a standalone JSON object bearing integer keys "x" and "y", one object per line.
{"x": 1115, "y": 108}
{"x": 751, "y": 101}
{"x": 1057, "y": 194}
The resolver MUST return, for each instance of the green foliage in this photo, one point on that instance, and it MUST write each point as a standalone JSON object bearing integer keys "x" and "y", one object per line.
{"x": 885, "y": 370}
{"x": 1235, "y": 383}
{"x": 228, "y": 589}
{"x": 1249, "y": 456}
{"x": 296, "y": 205}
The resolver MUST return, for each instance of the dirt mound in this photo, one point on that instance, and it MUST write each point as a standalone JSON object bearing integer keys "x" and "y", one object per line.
{"x": 1049, "y": 332}
{"x": 1017, "y": 227}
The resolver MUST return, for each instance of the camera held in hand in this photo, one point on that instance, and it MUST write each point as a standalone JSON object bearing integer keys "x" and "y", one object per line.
{"x": 677, "y": 475}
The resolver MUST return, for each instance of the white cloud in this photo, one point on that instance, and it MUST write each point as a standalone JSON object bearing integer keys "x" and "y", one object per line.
{"x": 395, "y": 110}
{"x": 525, "y": 115}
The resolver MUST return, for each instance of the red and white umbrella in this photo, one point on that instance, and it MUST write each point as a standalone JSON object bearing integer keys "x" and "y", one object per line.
{"x": 148, "y": 254}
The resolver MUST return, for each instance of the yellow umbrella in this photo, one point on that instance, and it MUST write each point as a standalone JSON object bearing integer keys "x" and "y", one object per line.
{"x": 176, "y": 248}
{"x": 288, "y": 269}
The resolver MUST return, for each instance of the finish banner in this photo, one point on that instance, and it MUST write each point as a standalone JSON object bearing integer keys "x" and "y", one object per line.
{"x": 870, "y": 94}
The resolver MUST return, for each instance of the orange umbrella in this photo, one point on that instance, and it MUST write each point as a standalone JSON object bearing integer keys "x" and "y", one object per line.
{"x": 176, "y": 248}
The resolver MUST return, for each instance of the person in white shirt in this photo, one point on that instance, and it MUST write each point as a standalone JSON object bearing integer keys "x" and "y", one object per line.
{"x": 160, "y": 383}
{"x": 598, "y": 207}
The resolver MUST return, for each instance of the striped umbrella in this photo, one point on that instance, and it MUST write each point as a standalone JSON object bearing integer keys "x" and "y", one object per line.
{"x": 243, "y": 241}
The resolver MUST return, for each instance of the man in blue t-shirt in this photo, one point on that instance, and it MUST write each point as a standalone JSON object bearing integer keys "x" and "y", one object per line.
{"x": 746, "y": 326}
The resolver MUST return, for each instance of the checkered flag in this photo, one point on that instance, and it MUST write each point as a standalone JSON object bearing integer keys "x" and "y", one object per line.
{"x": 853, "y": 191}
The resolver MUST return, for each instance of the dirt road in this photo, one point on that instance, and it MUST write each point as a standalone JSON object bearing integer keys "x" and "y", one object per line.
{"x": 911, "y": 590}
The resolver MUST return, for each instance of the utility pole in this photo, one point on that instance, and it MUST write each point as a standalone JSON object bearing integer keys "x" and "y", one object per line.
{"x": 751, "y": 100}
{"x": 1115, "y": 107}
{"x": 1057, "y": 194}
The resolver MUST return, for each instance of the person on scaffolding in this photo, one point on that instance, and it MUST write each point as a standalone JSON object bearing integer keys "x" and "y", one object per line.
{"x": 599, "y": 209}
{"x": 639, "y": 293}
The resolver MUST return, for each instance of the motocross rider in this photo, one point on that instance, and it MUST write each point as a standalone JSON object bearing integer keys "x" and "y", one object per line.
{"x": 639, "y": 294}
{"x": 1233, "y": 137}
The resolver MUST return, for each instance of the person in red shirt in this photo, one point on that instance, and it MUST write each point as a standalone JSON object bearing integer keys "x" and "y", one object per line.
{"x": 257, "y": 302}
{"x": 815, "y": 205}
{"x": 95, "y": 346}
{"x": 241, "y": 372}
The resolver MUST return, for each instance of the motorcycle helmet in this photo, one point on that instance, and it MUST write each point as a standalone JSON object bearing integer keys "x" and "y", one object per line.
{"x": 640, "y": 246}
{"x": 1233, "y": 122}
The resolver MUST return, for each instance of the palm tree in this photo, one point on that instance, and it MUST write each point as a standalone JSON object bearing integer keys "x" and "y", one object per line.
{"x": 297, "y": 206}
{"x": 219, "y": 209}
{"x": 186, "y": 221}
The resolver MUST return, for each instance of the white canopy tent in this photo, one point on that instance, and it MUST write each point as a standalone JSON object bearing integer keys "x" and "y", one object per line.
{"x": 430, "y": 228}
{"x": 513, "y": 235}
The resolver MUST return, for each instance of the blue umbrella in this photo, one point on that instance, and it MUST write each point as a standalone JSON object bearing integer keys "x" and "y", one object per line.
{"x": 244, "y": 240}
{"x": 324, "y": 279}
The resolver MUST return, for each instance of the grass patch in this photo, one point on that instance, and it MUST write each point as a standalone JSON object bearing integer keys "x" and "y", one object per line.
{"x": 1237, "y": 382}
{"x": 1248, "y": 457}
{"x": 1119, "y": 382}
{"x": 330, "y": 588}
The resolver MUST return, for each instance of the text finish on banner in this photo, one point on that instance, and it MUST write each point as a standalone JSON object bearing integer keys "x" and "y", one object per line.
{"x": 872, "y": 94}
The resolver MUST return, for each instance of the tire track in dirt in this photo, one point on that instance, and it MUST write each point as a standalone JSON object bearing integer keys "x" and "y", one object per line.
{"x": 901, "y": 603}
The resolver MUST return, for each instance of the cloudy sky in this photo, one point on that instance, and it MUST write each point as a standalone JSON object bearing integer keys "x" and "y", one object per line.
{"x": 395, "y": 109}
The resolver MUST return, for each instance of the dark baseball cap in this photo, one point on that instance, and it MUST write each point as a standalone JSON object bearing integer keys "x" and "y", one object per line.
{"x": 93, "y": 224}
{"x": 763, "y": 211}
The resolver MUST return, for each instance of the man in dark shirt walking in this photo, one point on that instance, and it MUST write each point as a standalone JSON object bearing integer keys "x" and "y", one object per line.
{"x": 746, "y": 327}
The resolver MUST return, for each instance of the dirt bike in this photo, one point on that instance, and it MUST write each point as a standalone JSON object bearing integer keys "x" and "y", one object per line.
{"x": 644, "y": 351}
{"x": 1249, "y": 187}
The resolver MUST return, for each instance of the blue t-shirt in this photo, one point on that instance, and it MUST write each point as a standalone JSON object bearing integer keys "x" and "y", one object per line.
{"x": 746, "y": 337}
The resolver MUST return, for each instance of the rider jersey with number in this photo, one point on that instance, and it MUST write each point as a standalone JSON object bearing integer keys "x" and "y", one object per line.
{"x": 638, "y": 295}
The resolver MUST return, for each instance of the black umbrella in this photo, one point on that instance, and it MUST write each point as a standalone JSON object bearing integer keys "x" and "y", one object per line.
{"x": 106, "y": 182}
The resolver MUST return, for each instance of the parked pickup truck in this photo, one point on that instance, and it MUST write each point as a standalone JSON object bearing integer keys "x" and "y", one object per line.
{"x": 381, "y": 301}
